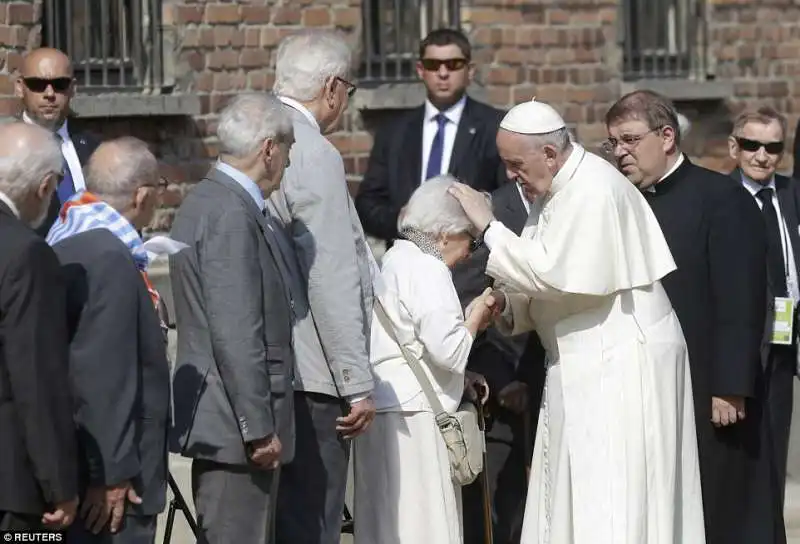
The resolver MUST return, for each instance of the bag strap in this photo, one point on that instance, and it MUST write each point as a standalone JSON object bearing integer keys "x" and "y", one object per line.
{"x": 412, "y": 361}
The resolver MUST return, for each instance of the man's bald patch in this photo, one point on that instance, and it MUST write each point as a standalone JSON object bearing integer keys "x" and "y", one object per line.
{"x": 19, "y": 137}
{"x": 46, "y": 62}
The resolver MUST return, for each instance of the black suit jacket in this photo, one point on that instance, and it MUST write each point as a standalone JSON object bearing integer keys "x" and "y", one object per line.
{"x": 85, "y": 144}
{"x": 37, "y": 436}
{"x": 395, "y": 163}
{"x": 118, "y": 368}
{"x": 788, "y": 193}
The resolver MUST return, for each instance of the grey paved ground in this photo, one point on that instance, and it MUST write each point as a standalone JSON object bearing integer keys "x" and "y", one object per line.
{"x": 180, "y": 467}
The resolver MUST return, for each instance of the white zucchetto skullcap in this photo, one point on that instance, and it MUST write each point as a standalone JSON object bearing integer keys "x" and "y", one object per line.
{"x": 532, "y": 118}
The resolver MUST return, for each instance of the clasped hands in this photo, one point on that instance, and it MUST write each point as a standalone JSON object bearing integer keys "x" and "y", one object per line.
{"x": 485, "y": 308}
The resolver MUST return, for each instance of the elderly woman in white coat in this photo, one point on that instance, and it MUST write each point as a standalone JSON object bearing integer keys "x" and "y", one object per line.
{"x": 403, "y": 490}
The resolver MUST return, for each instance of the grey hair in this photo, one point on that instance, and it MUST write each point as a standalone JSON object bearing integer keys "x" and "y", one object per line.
{"x": 560, "y": 139}
{"x": 250, "y": 119}
{"x": 433, "y": 210}
{"x": 23, "y": 167}
{"x": 307, "y": 60}
{"x": 115, "y": 179}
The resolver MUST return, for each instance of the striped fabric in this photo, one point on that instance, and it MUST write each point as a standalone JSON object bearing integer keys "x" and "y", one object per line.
{"x": 84, "y": 212}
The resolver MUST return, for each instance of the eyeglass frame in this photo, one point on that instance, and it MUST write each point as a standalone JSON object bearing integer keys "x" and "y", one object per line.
{"x": 611, "y": 144}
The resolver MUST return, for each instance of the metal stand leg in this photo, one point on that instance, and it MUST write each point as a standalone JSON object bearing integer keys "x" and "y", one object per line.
{"x": 179, "y": 503}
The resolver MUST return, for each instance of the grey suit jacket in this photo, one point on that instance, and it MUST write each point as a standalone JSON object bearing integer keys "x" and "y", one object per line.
{"x": 234, "y": 369}
{"x": 118, "y": 368}
{"x": 315, "y": 207}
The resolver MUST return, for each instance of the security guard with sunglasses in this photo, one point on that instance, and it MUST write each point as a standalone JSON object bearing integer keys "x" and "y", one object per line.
{"x": 757, "y": 146}
{"x": 45, "y": 86}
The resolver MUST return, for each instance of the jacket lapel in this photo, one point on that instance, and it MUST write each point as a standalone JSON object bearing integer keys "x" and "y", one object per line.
{"x": 468, "y": 127}
{"x": 790, "y": 215}
{"x": 414, "y": 137}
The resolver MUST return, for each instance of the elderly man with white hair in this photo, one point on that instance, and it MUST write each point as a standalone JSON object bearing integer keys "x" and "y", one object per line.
{"x": 234, "y": 370}
{"x": 38, "y": 475}
{"x": 118, "y": 364}
{"x": 615, "y": 459}
{"x": 333, "y": 384}
{"x": 404, "y": 491}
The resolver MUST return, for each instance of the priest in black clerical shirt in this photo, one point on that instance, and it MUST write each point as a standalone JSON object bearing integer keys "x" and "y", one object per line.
{"x": 719, "y": 291}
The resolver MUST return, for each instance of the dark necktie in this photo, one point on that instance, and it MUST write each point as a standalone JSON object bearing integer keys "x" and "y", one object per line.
{"x": 437, "y": 149}
{"x": 776, "y": 266}
{"x": 66, "y": 188}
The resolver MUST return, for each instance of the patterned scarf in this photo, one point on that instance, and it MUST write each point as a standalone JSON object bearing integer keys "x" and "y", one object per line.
{"x": 84, "y": 212}
{"x": 423, "y": 241}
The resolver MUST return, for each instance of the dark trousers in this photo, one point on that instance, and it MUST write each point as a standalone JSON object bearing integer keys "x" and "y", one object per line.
{"x": 312, "y": 486}
{"x": 508, "y": 486}
{"x": 134, "y": 530}
{"x": 10, "y": 521}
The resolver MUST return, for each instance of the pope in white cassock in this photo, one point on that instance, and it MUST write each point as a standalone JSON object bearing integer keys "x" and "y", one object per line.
{"x": 615, "y": 459}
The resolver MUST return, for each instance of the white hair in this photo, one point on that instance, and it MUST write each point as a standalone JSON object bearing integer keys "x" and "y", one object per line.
{"x": 433, "y": 210}
{"x": 559, "y": 138}
{"x": 24, "y": 164}
{"x": 118, "y": 168}
{"x": 250, "y": 119}
{"x": 684, "y": 125}
{"x": 307, "y": 60}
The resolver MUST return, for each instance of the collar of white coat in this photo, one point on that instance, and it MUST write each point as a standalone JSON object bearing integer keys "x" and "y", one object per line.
{"x": 566, "y": 172}
{"x": 5, "y": 199}
{"x": 292, "y": 103}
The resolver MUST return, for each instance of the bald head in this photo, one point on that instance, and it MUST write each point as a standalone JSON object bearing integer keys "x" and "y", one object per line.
{"x": 30, "y": 165}
{"x": 124, "y": 173}
{"x": 45, "y": 86}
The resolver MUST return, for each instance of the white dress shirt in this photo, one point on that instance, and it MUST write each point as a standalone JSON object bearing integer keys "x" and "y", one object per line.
{"x": 69, "y": 154}
{"x": 430, "y": 127}
{"x": 4, "y": 198}
{"x": 754, "y": 187}
{"x": 422, "y": 303}
{"x": 292, "y": 103}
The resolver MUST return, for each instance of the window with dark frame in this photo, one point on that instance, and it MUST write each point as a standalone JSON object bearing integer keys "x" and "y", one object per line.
{"x": 115, "y": 45}
{"x": 391, "y": 32}
{"x": 663, "y": 39}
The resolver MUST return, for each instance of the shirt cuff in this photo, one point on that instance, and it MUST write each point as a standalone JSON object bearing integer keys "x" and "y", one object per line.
{"x": 491, "y": 234}
{"x": 353, "y": 399}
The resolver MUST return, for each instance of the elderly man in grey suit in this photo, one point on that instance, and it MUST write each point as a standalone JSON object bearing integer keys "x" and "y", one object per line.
{"x": 234, "y": 371}
{"x": 334, "y": 384}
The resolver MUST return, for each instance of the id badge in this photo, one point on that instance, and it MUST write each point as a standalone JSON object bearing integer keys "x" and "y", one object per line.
{"x": 783, "y": 321}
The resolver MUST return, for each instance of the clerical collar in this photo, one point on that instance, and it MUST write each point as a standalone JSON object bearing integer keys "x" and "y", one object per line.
{"x": 566, "y": 172}
{"x": 5, "y": 199}
{"x": 673, "y": 168}
{"x": 452, "y": 114}
{"x": 754, "y": 186}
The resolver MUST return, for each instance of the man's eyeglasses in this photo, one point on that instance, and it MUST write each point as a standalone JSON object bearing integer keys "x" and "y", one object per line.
{"x": 40, "y": 85}
{"x": 452, "y": 65}
{"x": 475, "y": 244}
{"x": 772, "y": 148}
{"x": 627, "y": 141}
{"x": 351, "y": 88}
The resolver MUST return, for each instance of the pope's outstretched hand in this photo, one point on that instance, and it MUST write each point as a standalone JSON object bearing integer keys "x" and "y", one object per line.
{"x": 477, "y": 205}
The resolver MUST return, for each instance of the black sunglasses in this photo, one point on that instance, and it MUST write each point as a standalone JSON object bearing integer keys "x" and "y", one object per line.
{"x": 40, "y": 85}
{"x": 772, "y": 148}
{"x": 452, "y": 65}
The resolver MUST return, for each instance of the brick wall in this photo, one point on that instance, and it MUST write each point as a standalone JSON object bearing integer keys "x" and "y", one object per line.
{"x": 563, "y": 51}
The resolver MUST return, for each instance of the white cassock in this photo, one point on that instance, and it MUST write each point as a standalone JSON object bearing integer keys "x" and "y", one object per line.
{"x": 615, "y": 459}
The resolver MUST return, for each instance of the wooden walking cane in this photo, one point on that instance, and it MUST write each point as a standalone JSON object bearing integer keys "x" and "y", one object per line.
{"x": 488, "y": 526}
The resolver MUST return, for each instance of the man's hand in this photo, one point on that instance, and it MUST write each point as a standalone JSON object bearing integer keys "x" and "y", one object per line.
{"x": 266, "y": 452}
{"x": 499, "y": 301}
{"x": 482, "y": 310}
{"x": 727, "y": 410}
{"x": 357, "y": 421}
{"x": 62, "y": 516}
{"x": 106, "y": 505}
{"x": 514, "y": 397}
{"x": 476, "y": 204}
{"x": 475, "y": 387}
